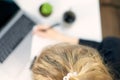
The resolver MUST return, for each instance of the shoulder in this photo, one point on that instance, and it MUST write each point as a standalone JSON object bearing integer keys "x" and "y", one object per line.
{"x": 110, "y": 42}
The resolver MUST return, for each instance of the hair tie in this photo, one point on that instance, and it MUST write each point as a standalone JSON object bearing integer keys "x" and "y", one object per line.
{"x": 67, "y": 77}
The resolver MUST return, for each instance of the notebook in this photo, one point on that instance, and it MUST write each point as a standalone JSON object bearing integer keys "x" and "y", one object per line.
{"x": 15, "y": 39}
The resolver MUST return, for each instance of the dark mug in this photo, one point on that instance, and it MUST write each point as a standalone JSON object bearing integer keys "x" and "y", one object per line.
{"x": 69, "y": 17}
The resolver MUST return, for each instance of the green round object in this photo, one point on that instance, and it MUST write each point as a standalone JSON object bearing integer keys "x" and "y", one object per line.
{"x": 45, "y": 9}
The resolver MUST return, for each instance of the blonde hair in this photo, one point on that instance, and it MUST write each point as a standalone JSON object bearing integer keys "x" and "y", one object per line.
{"x": 57, "y": 61}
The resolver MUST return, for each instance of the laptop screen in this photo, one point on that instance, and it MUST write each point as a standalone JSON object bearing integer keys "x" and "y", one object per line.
{"x": 7, "y": 9}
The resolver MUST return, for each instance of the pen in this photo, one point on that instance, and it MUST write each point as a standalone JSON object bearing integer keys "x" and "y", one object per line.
{"x": 33, "y": 62}
{"x": 54, "y": 25}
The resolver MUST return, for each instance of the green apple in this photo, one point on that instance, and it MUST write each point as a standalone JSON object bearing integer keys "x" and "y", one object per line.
{"x": 46, "y": 9}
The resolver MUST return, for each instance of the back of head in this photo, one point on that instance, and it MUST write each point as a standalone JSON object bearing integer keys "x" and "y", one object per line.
{"x": 61, "y": 61}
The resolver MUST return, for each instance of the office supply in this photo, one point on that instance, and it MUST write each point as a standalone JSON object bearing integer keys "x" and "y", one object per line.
{"x": 33, "y": 62}
{"x": 15, "y": 40}
{"x": 54, "y": 25}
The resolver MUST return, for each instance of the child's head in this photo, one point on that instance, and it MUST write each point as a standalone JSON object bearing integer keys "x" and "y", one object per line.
{"x": 71, "y": 62}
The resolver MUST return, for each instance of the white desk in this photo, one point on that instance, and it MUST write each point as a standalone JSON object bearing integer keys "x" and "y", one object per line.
{"x": 86, "y": 26}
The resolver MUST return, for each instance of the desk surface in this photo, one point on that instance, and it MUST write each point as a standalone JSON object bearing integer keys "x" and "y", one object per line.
{"x": 86, "y": 26}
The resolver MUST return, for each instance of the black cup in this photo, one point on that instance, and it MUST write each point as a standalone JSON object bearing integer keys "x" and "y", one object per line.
{"x": 69, "y": 17}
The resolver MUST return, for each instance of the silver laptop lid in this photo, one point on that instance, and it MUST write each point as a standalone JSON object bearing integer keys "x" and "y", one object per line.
{"x": 16, "y": 26}
{"x": 18, "y": 58}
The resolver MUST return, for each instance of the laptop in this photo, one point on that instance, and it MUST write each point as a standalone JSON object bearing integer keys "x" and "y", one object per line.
{"x": 15, "y": 40}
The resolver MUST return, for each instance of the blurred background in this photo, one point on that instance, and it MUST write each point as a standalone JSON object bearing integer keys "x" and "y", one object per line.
{"x": 110, "y": 17}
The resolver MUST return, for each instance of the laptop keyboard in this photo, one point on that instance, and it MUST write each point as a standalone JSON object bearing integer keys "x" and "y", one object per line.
{"x": 14, "y": 36}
